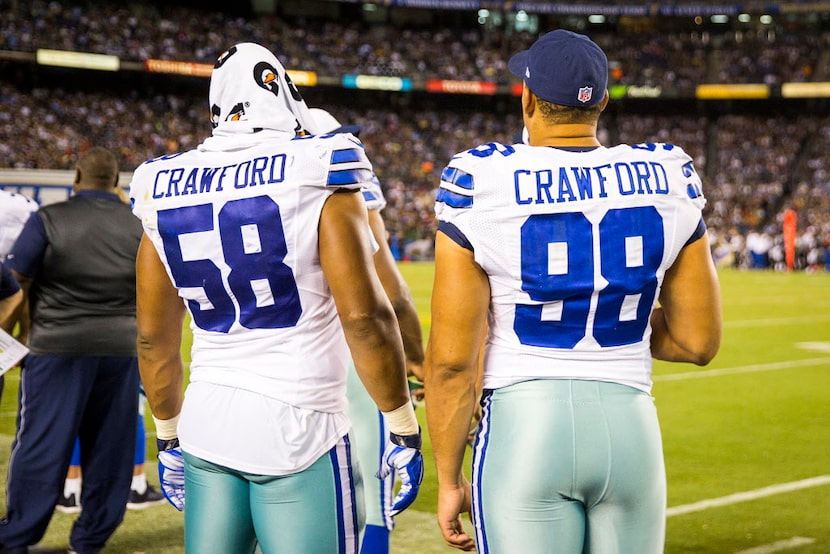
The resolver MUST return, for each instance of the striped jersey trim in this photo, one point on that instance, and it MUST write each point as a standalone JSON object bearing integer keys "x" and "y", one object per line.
{"x": 349, "y": 166}
{"x": 347, "y": 524}
{"x": 456, "y": 188}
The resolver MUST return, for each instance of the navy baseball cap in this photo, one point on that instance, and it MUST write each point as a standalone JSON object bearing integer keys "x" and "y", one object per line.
{"x": 563, "y": 68}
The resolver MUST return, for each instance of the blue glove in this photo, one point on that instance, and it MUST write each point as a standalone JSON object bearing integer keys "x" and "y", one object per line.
{"x": 171, "y": 472}
{"x": 403, "y": 454}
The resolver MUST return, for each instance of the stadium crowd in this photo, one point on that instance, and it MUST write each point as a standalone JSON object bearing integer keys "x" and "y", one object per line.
{"x": 646, "y": 56}
{"x": 754, "y": 165}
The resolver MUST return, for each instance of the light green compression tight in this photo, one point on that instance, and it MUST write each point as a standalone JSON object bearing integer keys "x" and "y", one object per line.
{"x": 316, "y": 511}
{"x": 569, "y": 467}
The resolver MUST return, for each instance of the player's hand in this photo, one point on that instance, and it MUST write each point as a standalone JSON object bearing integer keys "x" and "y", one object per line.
{"x": 171, "y": 472}
{"x": 403, "y": 454}
{"x": 452, "y": 502}
{"x": 415, "y": 373}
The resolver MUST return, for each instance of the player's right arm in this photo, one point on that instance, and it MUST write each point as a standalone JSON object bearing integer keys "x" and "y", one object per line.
{"x": 460, "y": 300}
{"x": 160, "y": 316}
{"x": 687, "y": 325}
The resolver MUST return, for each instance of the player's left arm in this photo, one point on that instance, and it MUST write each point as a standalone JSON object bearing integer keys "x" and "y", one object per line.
{"x": 460, "y": 300}
{"x": 399, "y": 294}
{"x": 160, "y": 316}
{"x": 687, "y": 325}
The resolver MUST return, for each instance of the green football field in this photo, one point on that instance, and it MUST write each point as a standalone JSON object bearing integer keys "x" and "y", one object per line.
{"x": 747, "y": 438}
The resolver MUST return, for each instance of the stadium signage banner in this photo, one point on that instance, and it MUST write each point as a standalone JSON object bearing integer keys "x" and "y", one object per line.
{"x": 645, "y": 9}
{"x": 302, "y": 78}
{"x": 805, "y": 90}
{"x": 461, "y": 87}
{"x": 732, "y": 92}
{"x": 375, "y": 82}
{"x": 179, "y": 68}
{"x": 79, "y": 60}
{"x": 195, "y": 69}
{"x": 634, "y": 91}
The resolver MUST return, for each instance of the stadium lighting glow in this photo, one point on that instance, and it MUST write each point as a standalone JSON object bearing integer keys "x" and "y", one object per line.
{"x": 766, "y": 19}
{"x": 744, "y": 18}
{"x": 369, "y": 7}
{"x": 597, "y": 18}
{"x": 521, "y": 15}
{"x": 719, "y": 18}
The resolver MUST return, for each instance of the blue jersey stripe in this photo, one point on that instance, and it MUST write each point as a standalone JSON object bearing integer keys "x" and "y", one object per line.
{"x": 453, "y": 199}
{"x": 349, "y": 177}
{"x": 347, "y": 156}
{"x": 371, "y": 196}
{"x": 458, "y": 178}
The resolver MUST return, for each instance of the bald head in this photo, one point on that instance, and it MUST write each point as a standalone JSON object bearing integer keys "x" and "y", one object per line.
{"x": 97, "y": 170}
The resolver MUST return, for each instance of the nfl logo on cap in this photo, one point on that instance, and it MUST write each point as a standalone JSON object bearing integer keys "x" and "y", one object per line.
{"x": 585, "y": 94}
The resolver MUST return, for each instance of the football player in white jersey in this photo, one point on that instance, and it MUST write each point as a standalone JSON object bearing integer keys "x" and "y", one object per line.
{"x": 262, "y": 232}
{"x": 576, "y": 264}
{"x": 15, "y": 209}
{"x": 367, "y": 425}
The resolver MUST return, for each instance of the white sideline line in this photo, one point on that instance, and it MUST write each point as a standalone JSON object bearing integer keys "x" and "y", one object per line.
{"x": 769, "y": 321}
{"x": 817, "y": 346}
{"x": 778, "y": 546}
{"x": 748, "y": 495}
{"x": 741, "y": 369}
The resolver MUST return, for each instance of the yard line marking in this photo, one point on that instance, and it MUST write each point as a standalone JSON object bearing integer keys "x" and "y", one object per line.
{"x": 817, "y": 346}
{"x": 770, "y": 321}
{"x": 748, "y": 495}
{"x": 778, "y": 546}
{"x": 741, "y": 369}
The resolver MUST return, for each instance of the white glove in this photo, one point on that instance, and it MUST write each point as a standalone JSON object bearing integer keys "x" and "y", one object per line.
{"x": 171, "y": 472}
{"x": 403, "y": 454}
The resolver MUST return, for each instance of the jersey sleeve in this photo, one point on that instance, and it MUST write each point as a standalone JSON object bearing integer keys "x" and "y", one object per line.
{"x": 456, "y": 191}
{"x": 683, "y": 167}
{"x": 349, "y": 167}
{"x": 455, "y": 198}
{"x": 138, "y": 191}
{"x": 373, "y": 195}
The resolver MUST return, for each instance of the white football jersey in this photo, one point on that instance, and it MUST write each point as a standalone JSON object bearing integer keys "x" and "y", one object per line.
{"x": 575, "y": 245}
{"x": 237, "y": 233}
{"x": 15, "y": 209}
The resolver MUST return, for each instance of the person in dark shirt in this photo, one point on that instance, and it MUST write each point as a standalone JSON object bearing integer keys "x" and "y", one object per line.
{"x": 75, "y": 261}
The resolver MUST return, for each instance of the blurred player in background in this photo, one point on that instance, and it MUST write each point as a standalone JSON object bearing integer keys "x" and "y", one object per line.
{"x": 263, "y": 233}
{"x": 142, "y": 494}
{"x": 565, "y": 248}
{"x": 15, "y": 209}
{"x": 370, "y": 434}
{"x": 76, "y": 263}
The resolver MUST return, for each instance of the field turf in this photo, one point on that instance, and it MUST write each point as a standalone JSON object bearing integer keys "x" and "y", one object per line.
{"x": 747, "y": 438}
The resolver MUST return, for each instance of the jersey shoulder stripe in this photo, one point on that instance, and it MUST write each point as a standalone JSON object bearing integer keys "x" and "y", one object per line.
{"x": 349, "y": 166}
{"x": 456, "y": 188}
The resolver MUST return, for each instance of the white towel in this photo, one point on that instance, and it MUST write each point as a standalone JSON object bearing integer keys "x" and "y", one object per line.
{"x": 252, "y": 99}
